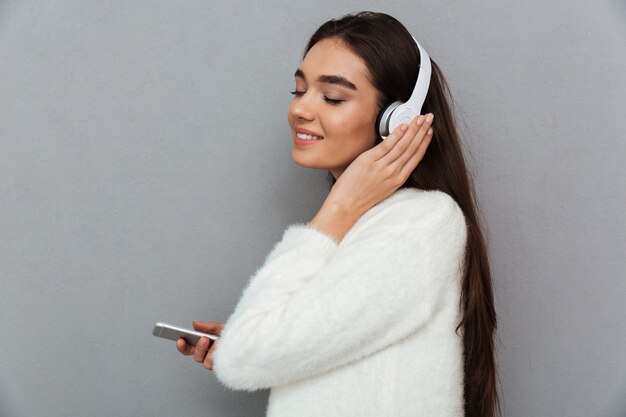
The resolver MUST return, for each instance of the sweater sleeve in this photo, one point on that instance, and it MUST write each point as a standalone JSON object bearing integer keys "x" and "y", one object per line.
{"x": 316, "y": 304}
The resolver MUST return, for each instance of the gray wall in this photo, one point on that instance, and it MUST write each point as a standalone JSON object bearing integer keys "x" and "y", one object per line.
{"x": 145, "y": 173}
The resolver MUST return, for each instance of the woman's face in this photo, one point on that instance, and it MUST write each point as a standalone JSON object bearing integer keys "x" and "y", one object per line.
{"x": 336, "y": 103}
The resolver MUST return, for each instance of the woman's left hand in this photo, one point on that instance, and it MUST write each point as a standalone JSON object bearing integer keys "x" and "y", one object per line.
{"x": 377, "y": 173}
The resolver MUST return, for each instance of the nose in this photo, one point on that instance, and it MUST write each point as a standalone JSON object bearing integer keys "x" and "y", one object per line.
{"x": 302, "y": 108}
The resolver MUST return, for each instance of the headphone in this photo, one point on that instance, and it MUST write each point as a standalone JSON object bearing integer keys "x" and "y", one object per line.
{"x": 394, "y": 114}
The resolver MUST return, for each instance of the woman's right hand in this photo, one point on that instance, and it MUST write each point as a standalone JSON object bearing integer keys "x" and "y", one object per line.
{"x": 203, "y": 351}
{"x": 373, "y": 176}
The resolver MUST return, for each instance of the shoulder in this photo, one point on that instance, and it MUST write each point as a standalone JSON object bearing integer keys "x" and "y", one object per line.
{"x": 412, "y": 216}
{"x": 418, "y": 207}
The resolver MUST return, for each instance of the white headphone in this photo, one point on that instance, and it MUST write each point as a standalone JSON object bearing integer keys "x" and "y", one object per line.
{"x": 396, "y": 113}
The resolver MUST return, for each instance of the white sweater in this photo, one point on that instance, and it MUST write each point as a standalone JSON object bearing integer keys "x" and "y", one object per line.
{"x": 361, "y": 327}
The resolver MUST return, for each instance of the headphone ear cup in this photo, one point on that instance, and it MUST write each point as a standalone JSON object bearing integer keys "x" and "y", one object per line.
{"x": 383, "y": 117}
{"x": 379, "y": 117}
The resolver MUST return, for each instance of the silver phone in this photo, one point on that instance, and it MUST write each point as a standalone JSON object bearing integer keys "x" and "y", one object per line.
{"x": 168, "y": 331}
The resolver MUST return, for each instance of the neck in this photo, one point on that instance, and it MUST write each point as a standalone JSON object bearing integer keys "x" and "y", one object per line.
{"x": 336, "y": 173}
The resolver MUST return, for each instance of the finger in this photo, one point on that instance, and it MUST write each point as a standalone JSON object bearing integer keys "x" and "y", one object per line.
{"x": 408, "y": 144}
{"x": 400, "y": 146}
{"x": 202, "y": 346}
{"x": 415, "y": 159}
{"x": 210, "y": 327}
{"x": 386, "y": 145}
{"x": 208, "y": 359}
{"x": 416, "y": 142}
{"x": 183, "y": 347}
{"x": 208, "y": 362}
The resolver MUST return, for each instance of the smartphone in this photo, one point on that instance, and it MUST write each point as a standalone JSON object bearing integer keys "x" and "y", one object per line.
{"x": 168, "y": 331}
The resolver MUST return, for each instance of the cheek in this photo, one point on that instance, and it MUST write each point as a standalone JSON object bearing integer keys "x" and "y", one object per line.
{"x": 355, "y": 128}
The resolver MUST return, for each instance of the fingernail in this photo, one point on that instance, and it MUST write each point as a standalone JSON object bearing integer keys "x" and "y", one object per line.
{"x": 430, "y": 131}
{"x": 420, "y": 120}
{"x": 430, "y": 117}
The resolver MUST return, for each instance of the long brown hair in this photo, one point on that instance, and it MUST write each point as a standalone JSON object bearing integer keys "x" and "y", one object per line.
{"x": 392, "y": 58}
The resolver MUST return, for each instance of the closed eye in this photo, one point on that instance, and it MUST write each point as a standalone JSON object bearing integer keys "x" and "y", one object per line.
{"x": 333, "y": 101}
{"x": 327, "y": 99}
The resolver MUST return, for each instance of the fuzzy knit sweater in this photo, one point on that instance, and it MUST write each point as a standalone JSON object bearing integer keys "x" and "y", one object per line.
{"x": 361, "y": 327}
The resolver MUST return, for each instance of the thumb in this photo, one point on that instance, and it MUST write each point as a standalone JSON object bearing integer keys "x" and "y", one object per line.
{"x": 210, "y": 327}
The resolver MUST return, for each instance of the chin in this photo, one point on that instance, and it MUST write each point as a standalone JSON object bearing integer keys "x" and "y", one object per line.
{"x": 307, "y": 162}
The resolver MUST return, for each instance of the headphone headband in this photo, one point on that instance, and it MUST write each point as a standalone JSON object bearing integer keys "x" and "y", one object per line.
{"x": 396, "y": 113}
{"x": 423, "y": 80}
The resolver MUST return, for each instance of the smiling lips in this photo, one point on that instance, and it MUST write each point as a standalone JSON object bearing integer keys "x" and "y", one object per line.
{"x": 307, "y": 137}
{"x": 304, "y": 136}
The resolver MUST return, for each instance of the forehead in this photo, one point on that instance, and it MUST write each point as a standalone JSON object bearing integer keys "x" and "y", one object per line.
{"x": 331, "y": 57}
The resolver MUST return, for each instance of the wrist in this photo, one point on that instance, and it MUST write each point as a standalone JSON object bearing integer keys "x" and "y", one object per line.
{"x": 334, "y": 219}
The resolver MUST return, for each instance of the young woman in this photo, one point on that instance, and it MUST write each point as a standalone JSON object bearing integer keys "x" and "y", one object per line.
{"x": 382, "y": 305}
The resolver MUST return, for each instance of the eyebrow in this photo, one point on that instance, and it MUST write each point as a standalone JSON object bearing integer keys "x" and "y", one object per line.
{"x": 330, "y": 79}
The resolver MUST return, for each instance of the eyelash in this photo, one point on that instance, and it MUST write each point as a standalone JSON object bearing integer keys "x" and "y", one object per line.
{"x": 329, "y": 100}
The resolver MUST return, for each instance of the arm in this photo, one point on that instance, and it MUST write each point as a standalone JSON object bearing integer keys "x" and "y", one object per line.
{"x": 314, "y": 306}
{"x": 370, "y": 178}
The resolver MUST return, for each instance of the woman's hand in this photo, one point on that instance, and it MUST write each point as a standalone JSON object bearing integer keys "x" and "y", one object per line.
{"x": 373, "y": 176}
{"x": 377, "y": 173}
{"x": 203, "y": 351}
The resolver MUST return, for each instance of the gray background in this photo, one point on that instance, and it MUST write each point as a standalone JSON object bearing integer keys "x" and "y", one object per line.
{"x": 145, "y": 172}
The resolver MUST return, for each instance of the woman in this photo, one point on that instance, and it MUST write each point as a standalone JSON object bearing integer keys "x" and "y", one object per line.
{"x": 382, "y": 305}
